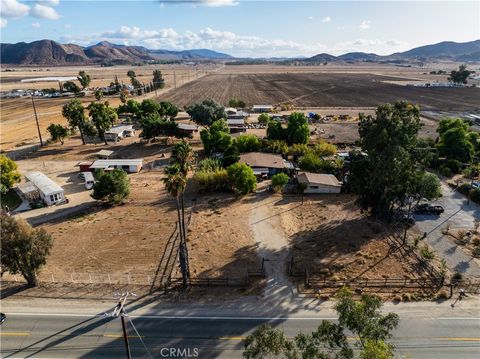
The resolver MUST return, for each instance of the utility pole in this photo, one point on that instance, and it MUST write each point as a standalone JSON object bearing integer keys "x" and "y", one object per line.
{"x": 36, "y": 119}
{"x": 119, "y": 311}
{"x": 174, "y": 79}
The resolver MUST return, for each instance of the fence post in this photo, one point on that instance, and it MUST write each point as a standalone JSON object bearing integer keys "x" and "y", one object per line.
{"x": 128, "y": 277}
{"x": 53, "y": 279}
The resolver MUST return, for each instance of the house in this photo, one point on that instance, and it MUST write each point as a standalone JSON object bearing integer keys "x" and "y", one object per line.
{"x": 238, "y": 115}
{"x": 262, "y": 108}
{"x": 129, "y": 166}
{"x": 187, "y": 128}
{"x": 38, "y": 185}
{"x": 236, "y": 125}
{"x": 116, "y": 133}
{"x": 320, "y": 182}
{"x": 265, "y": 164}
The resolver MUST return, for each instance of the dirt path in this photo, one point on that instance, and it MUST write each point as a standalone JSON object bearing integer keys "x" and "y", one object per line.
{"x": 273, "y": 245}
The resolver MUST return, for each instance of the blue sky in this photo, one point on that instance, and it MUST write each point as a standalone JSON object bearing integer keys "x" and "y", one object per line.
{"x": 244, "y": 28}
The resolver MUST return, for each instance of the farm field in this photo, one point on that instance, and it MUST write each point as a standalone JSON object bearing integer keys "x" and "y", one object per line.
{"x": 320, "y": 90}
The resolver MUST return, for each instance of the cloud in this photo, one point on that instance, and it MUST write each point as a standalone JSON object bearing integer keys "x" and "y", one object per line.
{"x": 3, "y": 22}
{"x": 310, "y": 18}
{"x": 365, "y": 24}
{"x": 36, "y": 25}
{"x": 13, "y": 9}
{"x": 209, "y": 3}
{"x": 49, "y": 2}
{"x": 44, "y": 12}
{"x": 67, "y": 26}
{"x": 327, "y": 19}
{"x": 230, "y": 42}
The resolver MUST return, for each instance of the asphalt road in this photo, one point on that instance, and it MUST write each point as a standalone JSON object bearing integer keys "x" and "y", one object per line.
{"x": 86, "y": 336}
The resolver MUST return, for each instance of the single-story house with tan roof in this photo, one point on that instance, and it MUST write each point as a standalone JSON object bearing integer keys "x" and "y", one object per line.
{"x": 320, "y": 182}
{"x": 265, "y": 163}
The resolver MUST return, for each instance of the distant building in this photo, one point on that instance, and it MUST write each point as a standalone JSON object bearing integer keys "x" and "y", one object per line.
{"x": 128, "y": 165}
{"x": 116, "y": 133}
{"x": 187, "y": 128}
{"x": 262, "y": 108}
{"x": 38, "y": 184}
{"x": 265, "y": 163}
{"x": 320, "y": 182}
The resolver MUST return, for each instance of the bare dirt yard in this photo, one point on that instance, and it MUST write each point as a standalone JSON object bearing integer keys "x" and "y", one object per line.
{"x": 332, "y": 239}
{"x": 320, "y": 90}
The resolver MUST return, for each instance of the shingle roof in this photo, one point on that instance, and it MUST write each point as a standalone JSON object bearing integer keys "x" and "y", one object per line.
{"x": 260, "y": 159}
{"x": 319, "y": 178}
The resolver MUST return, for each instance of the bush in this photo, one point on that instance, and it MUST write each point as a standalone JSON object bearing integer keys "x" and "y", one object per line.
{"x": 279, "y": 181}
{"x": 112, "y": 187}
{"x": 299, "y": 150}
{"x": 427, "y": 253}
{"x": 457, "y": 277}
{"x": 213, "y": 181}
{"x": 242, "y": 178}
{"x": 310, "y": 162}
{"x": 276, "y": 146}
{"x": 445, "y": 171}
{"x": 454, "y": 165}
{"x": 475, "y": 195}
{"x": 325, "y": 149}
{"x": 209, "y": 164}
{"x": 248, "y": 143}
{"x": 264, "y": 119}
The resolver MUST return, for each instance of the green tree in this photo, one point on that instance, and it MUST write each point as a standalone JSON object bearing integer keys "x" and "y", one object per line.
{"x": 310, "y": 162}
{"x": 454, "y": 140}
{"x": 151, "y": 126}
{"x": 216, "y": 138}
{"x": 279, "y": 181}
{"x": 230, "y": 156}
{"x": 209, "y": 165}
{"x": 390, "y": 170}
{"x": 324, "y": 149}
{"x": 277, "y": 146}
{"x": 98, "y": 95}
{"x": 264, "y": 119}
{"x": 158, "y": 80}
{"x": 84, "y": 79}
{"x": 247, "y": 143}
{"x": 175, "y": 183}
{"x": 428, "y": 187}
{"x": 57, "y": 132}
{"x": 460, "y": 76}
{"x": 133, "y": 79}
{"x": 236, "y": 103}
{"x": 131, "y": 106}
{"x": 265, "y": 342}
{"x": 275, "y": 131}
{"x": 297, "y": 128}
{"x": 168, "y": 109}
{"x": 207, "y": 112}
{"x": 103, "y": 117}
{"x": 124, "y": 96}
{"x": 299, "y": 150}
{"x": 149, "y": 106}
{"x": 301, "y": 187}
{"x": 74, "y": 112}
{"x": 71, "y": 86}
{"x": 8, "y": 173}
{"x": 111, "y": 187}
{"x": 24, "y": 250}
{"x": 242, "y": 178}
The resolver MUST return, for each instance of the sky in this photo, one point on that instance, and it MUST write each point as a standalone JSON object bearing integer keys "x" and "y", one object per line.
{"x": 244, "y": 28}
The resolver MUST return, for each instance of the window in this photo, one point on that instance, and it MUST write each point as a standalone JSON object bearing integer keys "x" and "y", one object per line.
{"x": 52, "y": 199}
{"x": 314, "y": 187}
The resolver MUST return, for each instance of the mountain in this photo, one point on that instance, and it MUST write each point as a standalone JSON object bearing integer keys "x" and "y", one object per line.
{"x": 51, "y": 53}
{"x": 42, "y": 52}
{"x": 320, "y": 58}
{"x": 359, "y": 56}
{"x": 446, "y": 50}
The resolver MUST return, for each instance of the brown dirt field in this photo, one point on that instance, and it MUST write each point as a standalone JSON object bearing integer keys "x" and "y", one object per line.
{"x": 320, "y": 90}
{"x": 333, "y": 239}
{"x": 220, "y": 241}
{"x": 122, "y": 239}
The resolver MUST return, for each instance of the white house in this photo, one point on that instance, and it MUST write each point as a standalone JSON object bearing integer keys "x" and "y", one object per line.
{"x": 320, "y": 182}
{"x": 262, "y": 108}
{"x": 116, "y": 133}
{"x": 50, "y": 192}
{"x": 128, "y": 165}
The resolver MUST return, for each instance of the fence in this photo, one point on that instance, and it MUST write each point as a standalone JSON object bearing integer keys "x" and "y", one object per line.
{"x": 372, "y": 283}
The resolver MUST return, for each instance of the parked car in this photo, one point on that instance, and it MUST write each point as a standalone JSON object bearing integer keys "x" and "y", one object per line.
{"x": 475, "y": 185}
{"x": 2, "y": 318}
{"x": 427, "y": 208}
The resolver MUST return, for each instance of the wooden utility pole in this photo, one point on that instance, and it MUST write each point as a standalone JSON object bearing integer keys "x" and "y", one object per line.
{"x": 119, "y": 311}
{"x": 36, "y": 119}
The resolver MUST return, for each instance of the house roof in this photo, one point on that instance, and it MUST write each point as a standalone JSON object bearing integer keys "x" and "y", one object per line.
{"x": 119, "y": 129}
{"x": 319, "y": 178}
{"x": 43, "y": 183}
{"x": 262, "y": 106}
{"x": 116, "y": 162}
{"x": 104, "y": 153}
{"x": 187, "y": 127}
{"x": 235, "y": 121}
{"x": 260, "y": 159}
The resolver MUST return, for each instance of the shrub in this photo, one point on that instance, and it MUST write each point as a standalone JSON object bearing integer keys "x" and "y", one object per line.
{"x": 248, "y": 143}
{"x": 445, "y": 171}
{"x": 279, "y": 181}
{"x": 457, "y": 277}
{"x": 264, "y": 119}
{"x": 242, "y": 178}
{"x": 310, "y": 162}
{"x": 454, "y": 165}
{"x": 427, "y": 253}
{"x": 209, "y": 165}
{"x": 475, "y": 195}
{"x": 323, "y": 149}
{"x": 299, "y": 150}
{"x": 213, "y": 181}
{"x": 276, "y": 146}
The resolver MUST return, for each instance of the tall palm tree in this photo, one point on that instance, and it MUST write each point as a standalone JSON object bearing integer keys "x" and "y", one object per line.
{"x": 175, "y": 183}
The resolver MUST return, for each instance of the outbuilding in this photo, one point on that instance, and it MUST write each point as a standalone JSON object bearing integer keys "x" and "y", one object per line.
{"x": 50, "y": 192}
{"x": 128, "y": 165}
{"x": 116, "y": 133}
{"x": 262, "y": 108}
{"x": 320, "y": 182}
{"x": 187, "y": 128}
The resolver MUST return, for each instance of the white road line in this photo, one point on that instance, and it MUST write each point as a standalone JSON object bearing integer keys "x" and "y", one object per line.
{"x": 170, "y": 316}
{"x": 458, "y": 318}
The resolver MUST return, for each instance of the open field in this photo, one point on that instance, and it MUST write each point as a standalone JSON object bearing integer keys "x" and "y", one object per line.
{"x": 320, "y": 90}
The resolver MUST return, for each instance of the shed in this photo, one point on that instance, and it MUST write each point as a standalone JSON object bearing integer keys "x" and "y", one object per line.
{"x": 116, "y": 133}
{"x": 320, "y": 182}
{"x": 50, "y": 192}
{"x": 128, "y": 165}
{"x": 262, "y": 108}
{"x": 188, "y": 128}
{"x": 84, "y": 165}
{"x": 105, "y": 154}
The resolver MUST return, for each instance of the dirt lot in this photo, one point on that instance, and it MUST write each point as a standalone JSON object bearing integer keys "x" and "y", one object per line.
{"x": 333, "y": 239}
{"x": 319, "y": 90}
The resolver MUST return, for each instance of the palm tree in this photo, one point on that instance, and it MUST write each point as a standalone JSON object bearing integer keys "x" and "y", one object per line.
{"x": 175, "y": 183}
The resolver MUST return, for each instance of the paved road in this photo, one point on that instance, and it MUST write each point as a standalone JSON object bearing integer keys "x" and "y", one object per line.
{"x": 85, "y": 336}
{"x": 459, "y": 214}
